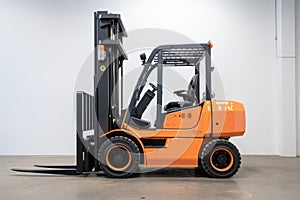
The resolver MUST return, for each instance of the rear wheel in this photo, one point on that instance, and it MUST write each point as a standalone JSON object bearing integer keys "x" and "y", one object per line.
{"x": 220, "y": 159}
{"x": 119, "y": 157}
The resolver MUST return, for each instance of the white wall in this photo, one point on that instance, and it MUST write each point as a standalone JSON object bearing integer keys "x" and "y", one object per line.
{"x": 43, "y": 45}
{"x": 286, "y": 64}
{"x": 298, "y": 72}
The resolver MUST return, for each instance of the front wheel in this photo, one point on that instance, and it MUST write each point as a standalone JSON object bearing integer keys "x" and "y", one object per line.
{"x": 119, "y": 157}
{"x": 220, "y": 159}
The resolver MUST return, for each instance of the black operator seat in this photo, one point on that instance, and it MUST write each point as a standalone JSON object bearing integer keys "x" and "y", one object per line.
{"x": 189, "y": 96}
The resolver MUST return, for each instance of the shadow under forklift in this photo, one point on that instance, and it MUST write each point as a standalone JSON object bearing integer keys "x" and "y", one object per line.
{"x": 193, "y": 132}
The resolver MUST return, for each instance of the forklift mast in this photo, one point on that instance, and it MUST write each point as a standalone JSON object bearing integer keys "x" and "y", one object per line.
{"x": 109, "y": 33}
{"x": 105, "y": 107}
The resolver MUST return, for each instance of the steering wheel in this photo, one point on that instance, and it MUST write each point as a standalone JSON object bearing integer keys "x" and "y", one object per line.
{"x": 184, "y": 94}
{"x": 153, "y": 86}
{"x": 180, "y": 93}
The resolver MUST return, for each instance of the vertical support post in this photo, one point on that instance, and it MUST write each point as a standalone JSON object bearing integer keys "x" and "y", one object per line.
{"x": 118, "y": 64}
{"x": 96, "y": 79}
{"x": 208, "y": 72}
{"x": 197, "y": 72}
{"x": 121, "y": 85}
{"x": 208, "y": 83}
{"x": 159, "y": 119}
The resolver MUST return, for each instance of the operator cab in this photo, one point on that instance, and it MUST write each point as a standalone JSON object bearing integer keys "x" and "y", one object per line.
{"x": 170, "y": 81}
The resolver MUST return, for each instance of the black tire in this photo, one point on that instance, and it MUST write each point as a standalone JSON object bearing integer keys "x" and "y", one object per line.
{"x": 119, "y": 157}
{"x": 199, "y": 172}
{"x": 220, "y": 159}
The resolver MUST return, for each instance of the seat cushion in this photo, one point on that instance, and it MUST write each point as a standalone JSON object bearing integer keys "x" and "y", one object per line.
{"x": 176, "y": 104}
{"x": 172, "y": 105}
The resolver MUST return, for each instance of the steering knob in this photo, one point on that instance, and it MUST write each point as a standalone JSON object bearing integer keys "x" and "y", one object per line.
{"x": 153, "y": 86}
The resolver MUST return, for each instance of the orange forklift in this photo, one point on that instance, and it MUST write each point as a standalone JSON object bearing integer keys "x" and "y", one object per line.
{"x": 190, "y": 132}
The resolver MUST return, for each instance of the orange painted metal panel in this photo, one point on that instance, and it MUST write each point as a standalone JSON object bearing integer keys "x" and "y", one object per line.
{"x": 228, "y": 118}
{"x": 163, "y": 133}
{"x": 180, "y": 152}
{"x": 184, "y": 119}
{"x": 204, "y": 126}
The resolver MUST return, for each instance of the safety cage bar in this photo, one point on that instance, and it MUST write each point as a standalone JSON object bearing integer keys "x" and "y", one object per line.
{"x": 185, "y": 56}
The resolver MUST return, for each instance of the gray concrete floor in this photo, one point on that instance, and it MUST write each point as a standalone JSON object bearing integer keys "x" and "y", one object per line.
{"x": 260, "y": 177}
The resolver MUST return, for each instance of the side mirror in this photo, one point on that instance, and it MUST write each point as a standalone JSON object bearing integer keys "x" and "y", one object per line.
{"x": 143, "y": 57}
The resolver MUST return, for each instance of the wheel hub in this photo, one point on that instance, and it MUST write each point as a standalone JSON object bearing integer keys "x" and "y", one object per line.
{"x": 221, "y": 159}
{"x": 118, "y": 158}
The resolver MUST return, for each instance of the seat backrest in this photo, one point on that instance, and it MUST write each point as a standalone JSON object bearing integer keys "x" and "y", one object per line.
{"x": 192, "y": 89}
